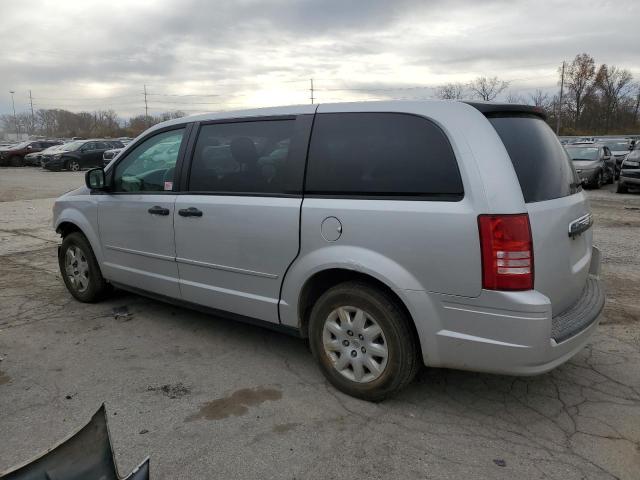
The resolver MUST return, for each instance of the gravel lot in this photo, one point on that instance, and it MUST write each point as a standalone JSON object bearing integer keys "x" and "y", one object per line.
{"x": 209, "y": 398}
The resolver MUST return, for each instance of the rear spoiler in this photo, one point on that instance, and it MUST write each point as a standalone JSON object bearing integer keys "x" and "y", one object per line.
{"x": 496, "y": 109}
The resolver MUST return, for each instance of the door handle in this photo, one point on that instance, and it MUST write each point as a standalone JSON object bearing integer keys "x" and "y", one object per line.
{"x": 190, "y": 212}
{"x": 158, "y": 210}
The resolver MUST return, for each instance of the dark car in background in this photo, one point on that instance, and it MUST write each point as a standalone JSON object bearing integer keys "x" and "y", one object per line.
{"x": 629, "y": 172}
{"x": 14, "y": 155}
{"x": 80, "y": 154}
{"x": 619, "y": 149}
{"x": 593, "y": 163}
{"x": 34, "y": 159}
{"x": 109, "y": 155}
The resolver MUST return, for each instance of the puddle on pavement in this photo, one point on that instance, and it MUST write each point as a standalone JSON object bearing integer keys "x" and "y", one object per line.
{"x": 4, "y": 378}
{"x": 236, "y": 404}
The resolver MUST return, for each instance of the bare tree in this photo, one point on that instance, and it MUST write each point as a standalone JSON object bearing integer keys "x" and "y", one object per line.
{"x": 487, "y": 89}
{"x": 614, "y": 84}
{"x": 540, "y": 99}
{"x": 579, "y": 77}
{"x": 451, "y": 91}
{"x": 515, "y": 98}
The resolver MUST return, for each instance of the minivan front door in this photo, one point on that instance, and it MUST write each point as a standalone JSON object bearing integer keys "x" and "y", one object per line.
{"x": 237, "y": 230}
{"x": 136, "y": 220}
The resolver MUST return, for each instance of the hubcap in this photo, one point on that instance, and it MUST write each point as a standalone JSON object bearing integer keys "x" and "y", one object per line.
{"x": 355, "y": 343}
{"x": 77, "y": 268}
{"x": 75, "y": 166}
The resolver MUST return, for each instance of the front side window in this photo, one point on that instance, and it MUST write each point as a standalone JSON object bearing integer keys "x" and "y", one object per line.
{"x": 150, "y": 166}
{"x": 243, "y": 157}
{"x": 381, "y": 154}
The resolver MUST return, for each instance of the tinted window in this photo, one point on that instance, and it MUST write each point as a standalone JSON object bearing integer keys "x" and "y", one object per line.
{"x": 150, "y": 166}
{"x": 245, "y": 157}
{"x": 381, "y": 154}
{"x": 89, "y": 146}
{"x": 541, "y": 163}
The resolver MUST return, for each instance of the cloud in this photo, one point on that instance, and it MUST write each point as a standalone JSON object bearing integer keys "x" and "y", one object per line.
{"x": 249, "y": 52}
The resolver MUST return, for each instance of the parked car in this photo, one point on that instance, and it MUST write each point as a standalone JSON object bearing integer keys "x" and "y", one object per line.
{"x": 14, "y": 155}
{"x": 629, "y": 172}
{"x": 619, "y": 149}
{"x": 109, "y": 155}
{"x": 397, "y": 234}
{"x": 79, "y": 154}
{"x": 35, "y": 159}
{"x": 593, "y": 163}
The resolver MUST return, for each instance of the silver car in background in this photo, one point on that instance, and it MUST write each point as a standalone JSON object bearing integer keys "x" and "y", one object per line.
{"x": 390, "y": 234}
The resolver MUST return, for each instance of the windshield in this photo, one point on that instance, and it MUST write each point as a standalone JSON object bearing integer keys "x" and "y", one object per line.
{"x": 70, "y": 147}
{"x": 582, "y": 153}
{"x": 20, "y": 145}
{"x": 617, "y": 145}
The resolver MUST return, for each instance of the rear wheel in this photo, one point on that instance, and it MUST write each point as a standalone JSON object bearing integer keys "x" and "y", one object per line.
{"x": 16, "y": 161}
{"x": 363, "y": 341}
{"x": 80, "y": 270}
{"x": 621, "y": 188}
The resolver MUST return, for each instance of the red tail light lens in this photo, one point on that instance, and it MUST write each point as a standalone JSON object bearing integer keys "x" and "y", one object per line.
{"x": 507, "y": 252}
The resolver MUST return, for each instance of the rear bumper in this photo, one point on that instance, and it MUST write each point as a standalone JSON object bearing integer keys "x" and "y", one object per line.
{"x": 513, "y": 333}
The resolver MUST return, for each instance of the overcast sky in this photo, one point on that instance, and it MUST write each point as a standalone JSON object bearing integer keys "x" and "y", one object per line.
{"x": 205, "y": 55}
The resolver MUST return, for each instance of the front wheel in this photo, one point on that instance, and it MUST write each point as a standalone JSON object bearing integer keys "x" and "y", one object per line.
{"x": 598, "y": 180}
{"x": 80, "y": 270}
{"x": 16, "y": 161}
{"x": 363, "y": 341}
{"x": 73, "y": 165}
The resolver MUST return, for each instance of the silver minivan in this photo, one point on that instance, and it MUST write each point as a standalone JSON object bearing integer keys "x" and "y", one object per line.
{"x": 390, "y": 234}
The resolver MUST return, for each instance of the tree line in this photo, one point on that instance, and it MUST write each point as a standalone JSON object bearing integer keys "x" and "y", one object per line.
{"x": 59, "y": 123}
{"x": 596, "y": 100}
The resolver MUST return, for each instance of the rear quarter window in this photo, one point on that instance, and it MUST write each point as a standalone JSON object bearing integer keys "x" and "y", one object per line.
{"x": 381, "y": 155}
{"x": 540, "y": 161}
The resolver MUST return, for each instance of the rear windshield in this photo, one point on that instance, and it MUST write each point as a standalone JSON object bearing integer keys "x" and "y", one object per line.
{"x": 541, "y": 163}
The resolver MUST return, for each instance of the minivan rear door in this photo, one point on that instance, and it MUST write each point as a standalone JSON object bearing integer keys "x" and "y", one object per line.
{"x": 237, "y": 225}
{"x": 554, "y": 201}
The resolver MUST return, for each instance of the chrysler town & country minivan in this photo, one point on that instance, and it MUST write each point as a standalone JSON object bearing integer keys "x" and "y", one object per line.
{"x": 390, "y": 234}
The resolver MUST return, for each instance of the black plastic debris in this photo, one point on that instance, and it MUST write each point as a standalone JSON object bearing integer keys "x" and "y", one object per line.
{"x": 84, "y": 455}
{"x": 122, "y": 313}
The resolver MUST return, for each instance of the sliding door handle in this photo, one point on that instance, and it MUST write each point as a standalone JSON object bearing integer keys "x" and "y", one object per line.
{"x": 190, "y": 212}
{"x": 158, "y": 210}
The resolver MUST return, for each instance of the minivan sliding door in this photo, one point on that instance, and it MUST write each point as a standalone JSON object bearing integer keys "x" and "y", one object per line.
{"x": 237, "y": 227}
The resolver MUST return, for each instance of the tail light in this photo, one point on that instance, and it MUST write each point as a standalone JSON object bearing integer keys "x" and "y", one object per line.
{"x": 507, "y": 252}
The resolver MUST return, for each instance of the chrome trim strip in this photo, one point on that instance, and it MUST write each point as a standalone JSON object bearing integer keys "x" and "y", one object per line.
{"x": 168, "y": 258}
{"x": 225, "y": 268}
{"x": 580, "y": 225}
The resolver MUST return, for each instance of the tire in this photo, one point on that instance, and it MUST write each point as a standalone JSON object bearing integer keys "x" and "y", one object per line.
{"x": 82, "y": 278}
{"x": 16, "y": 161}
{"x": 598, "y": 182}
{"x": 73, "y": 165}
{"x": 621, "y": 188}
{"x": 397, "y": 338}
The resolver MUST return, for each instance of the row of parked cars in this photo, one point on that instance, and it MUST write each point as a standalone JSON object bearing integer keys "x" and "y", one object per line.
{"x": 602, "y": 161}
{"x": 72, "y": 155}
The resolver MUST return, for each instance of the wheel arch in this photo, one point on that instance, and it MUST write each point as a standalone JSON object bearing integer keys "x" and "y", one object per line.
{"x": 71, "y": 221}
{"x": 321, "y": 281}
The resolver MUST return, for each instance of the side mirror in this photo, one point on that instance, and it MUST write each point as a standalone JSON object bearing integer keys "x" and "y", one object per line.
{"x": 95, "y": 179}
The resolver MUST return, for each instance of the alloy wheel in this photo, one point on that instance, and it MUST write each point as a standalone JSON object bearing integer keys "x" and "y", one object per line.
{"x": 355, "y": 343}
{"x": 74, "y": 166}
{"x": 77, "y": 268}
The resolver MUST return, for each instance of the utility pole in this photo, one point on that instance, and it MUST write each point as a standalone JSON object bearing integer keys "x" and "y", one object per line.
{"x": 559, "y": 112}
{"x": 15, "y": 117}
{"x": 311, "y": 90}
{"x": 33, "y": 118}
{"x": 146, "y": 107}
